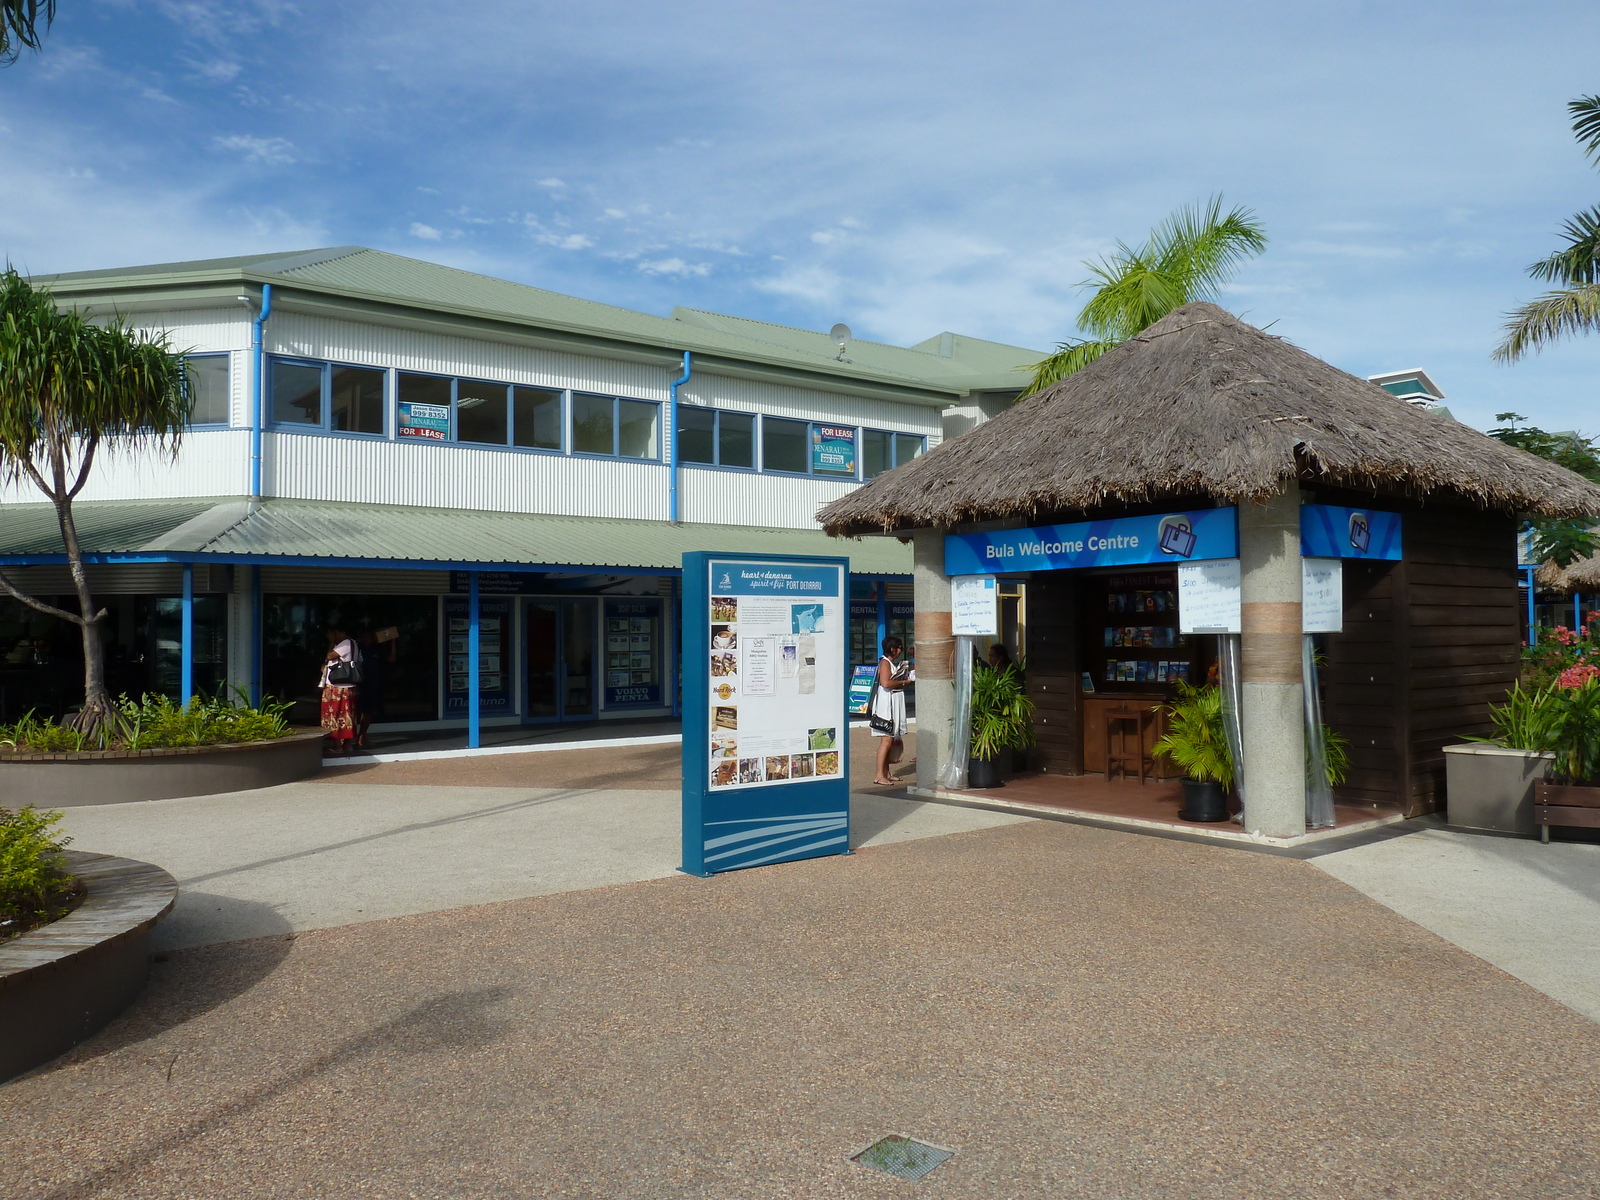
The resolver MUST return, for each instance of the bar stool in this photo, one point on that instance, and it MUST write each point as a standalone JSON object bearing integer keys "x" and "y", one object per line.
{"x": 1123, "y": 723}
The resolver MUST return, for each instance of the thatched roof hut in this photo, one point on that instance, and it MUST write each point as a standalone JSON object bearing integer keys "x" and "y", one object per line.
{"x": 1202, "y": 405}
{"x": 1582, "y": 575}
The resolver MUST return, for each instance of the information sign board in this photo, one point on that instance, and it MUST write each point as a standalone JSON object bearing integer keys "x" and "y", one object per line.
{"x": 1321, "y": 595}
{"x": 428, "y": 421}
{"x": 1116, "y": 542}
{"x": 974, "y": 610}
{"x": 495, "y": 674}
{"x": 765, "y": 727}
{"x": 1208, "y": 597}
{"x": 833, "y": 449}
{"x": 861, "y": 688}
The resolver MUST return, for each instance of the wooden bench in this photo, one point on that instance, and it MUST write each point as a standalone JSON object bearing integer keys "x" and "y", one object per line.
{"x": 1563, "y": 804}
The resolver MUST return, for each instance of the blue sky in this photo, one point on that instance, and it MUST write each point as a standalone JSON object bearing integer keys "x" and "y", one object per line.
{"x": 905, "y": 168}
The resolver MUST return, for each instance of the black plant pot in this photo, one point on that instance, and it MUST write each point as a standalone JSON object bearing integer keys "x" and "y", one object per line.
{"x": 983, "y": 773}
{"x": 1203, "y": 801}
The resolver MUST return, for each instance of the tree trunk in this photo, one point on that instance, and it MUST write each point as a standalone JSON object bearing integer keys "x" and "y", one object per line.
{"x": 96, "y": 713}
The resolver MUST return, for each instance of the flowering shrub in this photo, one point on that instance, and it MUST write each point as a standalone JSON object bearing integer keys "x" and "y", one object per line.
{"x": 1559, "y": 652}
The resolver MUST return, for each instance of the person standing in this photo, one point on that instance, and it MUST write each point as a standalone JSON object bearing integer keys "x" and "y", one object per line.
{"x": 341, "y": 675}
{"x": 886, "y": 712}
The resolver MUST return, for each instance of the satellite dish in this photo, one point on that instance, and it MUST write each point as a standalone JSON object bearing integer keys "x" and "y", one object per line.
{"x": 840, "y": 334}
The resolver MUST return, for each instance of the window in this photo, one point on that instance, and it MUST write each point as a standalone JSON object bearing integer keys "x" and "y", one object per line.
{"x": 481, "y": 412}
{"x": 593, "y": 424}
{"x": 723, "y": 439}
{"x": 208, "y": 384}
{"x": 636, "y": 429}
{"x": 328, "y": 396}
{"x": 881, "y": 450}
{"x": 296, "y": 393}
{"x": 784, "y": 444}
{"x": 607, "y": 425}
{"x": 536, "y": 418}
{"x": 423, "y": 408}
{"x": 356, "y": 399}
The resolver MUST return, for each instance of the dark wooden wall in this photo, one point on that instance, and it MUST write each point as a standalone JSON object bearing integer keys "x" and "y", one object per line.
{"x": 1428, "y": 644}
{"x": 1053, "y": 671}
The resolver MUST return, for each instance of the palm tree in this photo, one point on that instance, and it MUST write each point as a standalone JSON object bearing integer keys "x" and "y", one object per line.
{"x": 1188, "y": 257}
{"x": 70, "y": 389}
{"x": 1574, "y": 307}
{"x": 23, "y": 23}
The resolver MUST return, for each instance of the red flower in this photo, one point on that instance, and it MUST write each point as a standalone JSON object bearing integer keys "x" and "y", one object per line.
{"x": 1576, "y": 677}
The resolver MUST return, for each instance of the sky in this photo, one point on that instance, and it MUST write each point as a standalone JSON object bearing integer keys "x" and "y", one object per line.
{"x": 906, "y": 168}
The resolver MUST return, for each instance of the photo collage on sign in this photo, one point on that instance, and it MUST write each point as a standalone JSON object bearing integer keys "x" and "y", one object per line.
{"x": 774, "y": 664}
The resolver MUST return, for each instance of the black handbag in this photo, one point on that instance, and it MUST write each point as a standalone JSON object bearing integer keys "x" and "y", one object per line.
{"x": 344, "y": 674}
{"x": 878, "y": 722}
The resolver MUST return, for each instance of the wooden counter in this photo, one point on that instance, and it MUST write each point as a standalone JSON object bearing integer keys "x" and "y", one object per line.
{"x": 1094, "y": 729}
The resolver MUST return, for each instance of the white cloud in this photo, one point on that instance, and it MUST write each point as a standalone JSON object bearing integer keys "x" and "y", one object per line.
{"x": 273, "y": 151}
{"x": 426, "y": 232}
{"x": 674, "y": 266}
{"x": 552, "y": 183}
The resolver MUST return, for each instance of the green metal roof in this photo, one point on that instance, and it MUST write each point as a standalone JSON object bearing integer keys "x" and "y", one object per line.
{"x": 359, "y": 275}
{"x": 377, "y": 533}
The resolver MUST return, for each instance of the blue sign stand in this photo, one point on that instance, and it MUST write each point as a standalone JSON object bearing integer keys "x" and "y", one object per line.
{"x": 755, "y": 791}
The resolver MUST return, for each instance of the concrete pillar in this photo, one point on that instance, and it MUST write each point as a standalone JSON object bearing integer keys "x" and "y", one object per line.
{"x": 1272, "y": 716}
{"x": 935, "y": 656}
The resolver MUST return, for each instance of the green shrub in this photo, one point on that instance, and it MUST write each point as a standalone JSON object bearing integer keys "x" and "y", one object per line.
{"x": 34, "y": 884}
{"x": 1196, "y": 741}
{"x": 1002, "y": 713}
{"x": 154, "y": 722}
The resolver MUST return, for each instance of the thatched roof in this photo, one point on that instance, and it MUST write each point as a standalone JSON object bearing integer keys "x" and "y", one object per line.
{"x": 1202, "y": 404}
{"x": 1581, "y": 575}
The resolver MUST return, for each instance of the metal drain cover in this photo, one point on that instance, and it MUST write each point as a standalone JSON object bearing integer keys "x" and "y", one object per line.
{"x": 901, "y": 1156}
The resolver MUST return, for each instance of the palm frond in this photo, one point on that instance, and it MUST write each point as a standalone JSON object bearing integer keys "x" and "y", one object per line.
{"x": 1547, "y": 318}
{"x": 23, "y": 23}
{"x": 1068, "y": 358}
{"x": 1200, "y": 247}
{"x": 1578, "y": 260}
{"x": 1585, "y": 112}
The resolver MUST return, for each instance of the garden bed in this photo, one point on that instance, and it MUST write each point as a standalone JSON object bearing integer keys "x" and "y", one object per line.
{"x": 67, "y": 779}
{"x": 63, "y": 981}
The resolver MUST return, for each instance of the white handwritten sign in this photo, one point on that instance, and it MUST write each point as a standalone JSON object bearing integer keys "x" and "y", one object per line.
{"x": 1208, "y": 596}
{"x": 973, "y": 611}
{"x": 1321, "y": 595}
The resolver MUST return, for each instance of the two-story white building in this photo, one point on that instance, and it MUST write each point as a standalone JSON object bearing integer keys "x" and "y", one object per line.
{"x": 396, "y": 448}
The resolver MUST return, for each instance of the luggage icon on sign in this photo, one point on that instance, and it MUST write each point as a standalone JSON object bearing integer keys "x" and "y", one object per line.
{"x": 1360, "y": 531}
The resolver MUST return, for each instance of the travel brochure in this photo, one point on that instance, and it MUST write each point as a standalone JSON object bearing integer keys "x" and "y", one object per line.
{"x": 776, "y": 673}
{"x": 1157, "y": 636}
{"x": 1144, "y": 671}
{"x": 1157, "y": 600}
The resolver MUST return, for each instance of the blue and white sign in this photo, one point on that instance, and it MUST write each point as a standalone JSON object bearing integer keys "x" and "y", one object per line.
{"x": 1117, "y": 542}
{"x": 1332, "y": 531}
{"x": 765, "y": 728}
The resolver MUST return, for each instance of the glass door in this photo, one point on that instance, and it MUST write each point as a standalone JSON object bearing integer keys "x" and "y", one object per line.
{"x": 560, "y": 641}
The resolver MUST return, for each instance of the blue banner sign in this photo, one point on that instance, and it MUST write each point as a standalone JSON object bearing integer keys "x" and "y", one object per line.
{"x": 1116, "y": 542}
{"x": 766, "y": 750}
{"x": 833, "y": 449}
{"x": 1331, "y": 531}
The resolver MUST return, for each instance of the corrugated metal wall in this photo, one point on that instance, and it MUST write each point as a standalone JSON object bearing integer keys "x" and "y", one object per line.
{"x": 146, "y": 579}
{"x": 308, "y": 466}
{"x": 773, "y": 501}
{"x": 213, "y": 462}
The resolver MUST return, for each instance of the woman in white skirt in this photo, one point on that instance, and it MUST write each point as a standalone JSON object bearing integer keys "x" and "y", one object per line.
{"x": 887, "y": 712}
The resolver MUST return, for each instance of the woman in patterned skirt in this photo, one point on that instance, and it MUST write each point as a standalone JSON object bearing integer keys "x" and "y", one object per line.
{"x": 339, "y": 716}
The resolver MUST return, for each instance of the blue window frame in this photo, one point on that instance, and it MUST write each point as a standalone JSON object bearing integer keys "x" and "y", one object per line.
{"x": 327, "y": 397}
{"x": 211, "y": 390}
{"x": 817, "y": 448}
{"x": 714, "y": 438}
{"x": 883, "y": 450}
{"x": 615, "y": 427}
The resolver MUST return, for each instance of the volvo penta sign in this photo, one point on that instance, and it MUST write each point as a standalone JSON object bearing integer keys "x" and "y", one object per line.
{"x": 1117, "y": 542}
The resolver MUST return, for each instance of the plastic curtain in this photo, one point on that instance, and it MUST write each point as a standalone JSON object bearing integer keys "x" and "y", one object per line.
{"x": 1232, "y": 702}
{"x": 954, "y": 774}
{"x": 1319, "y": 796}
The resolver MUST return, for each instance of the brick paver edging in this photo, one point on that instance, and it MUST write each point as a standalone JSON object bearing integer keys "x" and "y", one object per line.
{"x": 62, "y": 982}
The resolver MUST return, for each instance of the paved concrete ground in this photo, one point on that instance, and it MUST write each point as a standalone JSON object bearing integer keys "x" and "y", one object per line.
{"x": 363, "y": 843}
{"x": 1533, "y": 910}
{"x": 1079, "y": 1012}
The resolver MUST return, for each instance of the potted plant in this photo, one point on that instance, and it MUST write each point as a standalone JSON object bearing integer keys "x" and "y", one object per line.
{"x": 1572, "y": 735}
{"x": 1002, "y": 718}
{"x": 1489, "y": 782}
{"x": 1197, "y": 744}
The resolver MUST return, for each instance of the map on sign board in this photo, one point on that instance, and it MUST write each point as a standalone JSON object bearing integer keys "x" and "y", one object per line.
{"x": 1208, "y": 596}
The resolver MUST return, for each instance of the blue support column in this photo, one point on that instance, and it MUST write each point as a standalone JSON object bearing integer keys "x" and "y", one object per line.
{"x": 255, "y": 634}
{"x": 1577, "y": 612}
{"x": 474, "y": 713}
{"x": 1533, "y": 631}
{"x": 882, "y": 589}
{"x": 186, "y": 670}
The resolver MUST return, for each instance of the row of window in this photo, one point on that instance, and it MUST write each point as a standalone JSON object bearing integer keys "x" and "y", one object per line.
{"x": 336, "y": 398}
